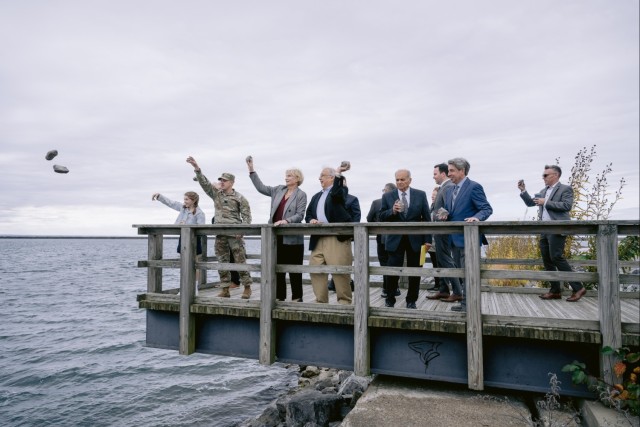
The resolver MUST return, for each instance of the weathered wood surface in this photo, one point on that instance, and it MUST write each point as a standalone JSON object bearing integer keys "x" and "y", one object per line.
{"x": 187, "y": 291}
{"x": 267, "y": 350}
{"x": 361, "y": 303}
{"x": 501, "y": 312}
{"x": 475, "y": 378}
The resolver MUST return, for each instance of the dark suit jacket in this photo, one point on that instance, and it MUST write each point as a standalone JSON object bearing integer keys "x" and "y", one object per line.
{"x": 418, "y": 212}
{"x": 470, "y": 202}
{"x": 353, "y": 207}
{"x": 374, "y": 211}
{"x": 334, "y": 208}
{"x": 558, "y": 204}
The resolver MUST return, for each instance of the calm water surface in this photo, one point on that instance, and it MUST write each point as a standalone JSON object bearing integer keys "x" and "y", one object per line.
{"x": 72, "y": 345}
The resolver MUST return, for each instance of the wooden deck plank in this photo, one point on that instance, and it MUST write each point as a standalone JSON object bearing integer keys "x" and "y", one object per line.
{"x": 493, "y": 303}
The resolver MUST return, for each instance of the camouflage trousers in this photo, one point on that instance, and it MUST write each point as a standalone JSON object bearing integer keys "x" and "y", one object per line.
{"x": 230, "y": 244}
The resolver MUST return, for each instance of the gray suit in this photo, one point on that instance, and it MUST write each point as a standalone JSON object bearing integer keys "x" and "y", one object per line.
{"x": 443, "y": 245}
{"x": 558, "y": 205}
{"x": 294, "y": 208}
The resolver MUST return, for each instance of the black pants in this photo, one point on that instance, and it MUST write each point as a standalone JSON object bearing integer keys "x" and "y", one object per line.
{"x": 383, "y": 258}
{"x": 552, "y": 249}
{"x": 396, "y": 259}
{"x": 289, "y": 254}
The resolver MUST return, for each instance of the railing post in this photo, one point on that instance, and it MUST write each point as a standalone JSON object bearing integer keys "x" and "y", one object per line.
{"x": 361, "y": 349}
{"x": 608, "y": 297}
{"x": 187, "y": 290}
{"x": 267, "y": 295}
{"x": 154, "y": 274}
{"x": 203, "y": 271}
{"x": 473, "y": 296}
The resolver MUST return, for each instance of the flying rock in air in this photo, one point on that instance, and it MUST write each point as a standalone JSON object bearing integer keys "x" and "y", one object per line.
{"x": 60, "y": 169}
{"x": 51, "y": 154}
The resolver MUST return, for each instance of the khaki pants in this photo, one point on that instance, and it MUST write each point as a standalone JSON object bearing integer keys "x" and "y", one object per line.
{"x": 330, "y": 251}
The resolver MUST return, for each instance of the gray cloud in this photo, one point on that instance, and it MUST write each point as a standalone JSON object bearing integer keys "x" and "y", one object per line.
{"x": 127, "y": 90}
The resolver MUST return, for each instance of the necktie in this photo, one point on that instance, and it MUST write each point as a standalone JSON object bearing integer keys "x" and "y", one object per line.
{"x": 455, "y": 194}
{"x": 404, "y": 202}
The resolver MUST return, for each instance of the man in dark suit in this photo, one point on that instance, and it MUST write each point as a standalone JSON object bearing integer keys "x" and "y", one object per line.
{"x": 442, "y": 242}
{"x": 464, "y": 201}
{"x": 328, "y": 206}
{"x": 554, "y": 204}
{"x": 374, "y": 216}
{"x": 404, "y": 205}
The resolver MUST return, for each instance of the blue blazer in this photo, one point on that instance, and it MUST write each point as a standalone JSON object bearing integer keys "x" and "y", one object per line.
{"x": 470, "y": 202}
{"x": 418, "y": 212}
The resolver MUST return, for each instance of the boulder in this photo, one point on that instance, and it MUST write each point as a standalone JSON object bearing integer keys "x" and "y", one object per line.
{"x": 51, "y": 154}
{"x": 311, "y": 407}
{"x": 60, "y": 169}
{"x": 354, "y": 384}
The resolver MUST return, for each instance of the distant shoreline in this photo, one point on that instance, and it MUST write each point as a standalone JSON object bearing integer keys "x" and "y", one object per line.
{"x": 8, "y": 236}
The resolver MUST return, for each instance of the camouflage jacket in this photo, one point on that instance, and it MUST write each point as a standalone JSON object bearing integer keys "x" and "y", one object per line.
{"x": 230, "y": 208}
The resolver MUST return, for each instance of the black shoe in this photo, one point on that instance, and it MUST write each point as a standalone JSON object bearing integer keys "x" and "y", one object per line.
{"x": 460, "y": 308}
{"x": 411, "y": 305}
{"x": 388, "y": 303}
{"x": 383, "y": 294}
{"x": 398, "y": 292}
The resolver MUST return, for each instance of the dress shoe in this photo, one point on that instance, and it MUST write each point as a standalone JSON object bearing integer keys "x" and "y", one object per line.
{"x": 411, "y": 305}
{"x": 452, "y": 298}
{"x": 383, "y": 294}
{"x": 550, "y": 295}
{"x": 397, "y": 292}
{"x": 577, "y": 295}
{"x": 439, "y": 295}
{"x": 460, "y": 308}
{"x": 389, "y": 304}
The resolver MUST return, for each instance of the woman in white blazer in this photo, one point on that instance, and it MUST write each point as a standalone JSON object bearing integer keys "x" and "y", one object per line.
{"x": 288, "y": 205}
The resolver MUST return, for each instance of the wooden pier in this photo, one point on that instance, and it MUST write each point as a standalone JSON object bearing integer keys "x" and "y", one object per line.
{"x": 507, "y": 338}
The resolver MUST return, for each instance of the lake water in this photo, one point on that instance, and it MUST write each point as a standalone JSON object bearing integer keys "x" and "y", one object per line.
{"x": 72, "y": 345}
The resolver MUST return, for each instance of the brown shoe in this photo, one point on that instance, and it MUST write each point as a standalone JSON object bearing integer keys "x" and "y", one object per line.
{"x": 247, "y": 292}
{"x": 550, "y": 295}
{"x": 439, "y": 295}
{"x": 577, "y": 295}
{"x": 224, "y": 293}
{"x": 452, "y": 298}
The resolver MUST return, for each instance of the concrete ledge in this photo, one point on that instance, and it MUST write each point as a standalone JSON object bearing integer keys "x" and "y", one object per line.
{"x": 595, "y": 414}
{"x": 401, "y": 402}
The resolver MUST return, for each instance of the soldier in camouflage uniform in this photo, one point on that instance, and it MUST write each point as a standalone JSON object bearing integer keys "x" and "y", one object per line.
{"x": 231, "y": 208}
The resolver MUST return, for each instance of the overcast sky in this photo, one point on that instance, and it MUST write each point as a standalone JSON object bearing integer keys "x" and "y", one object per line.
{"x": 126, "y": 90}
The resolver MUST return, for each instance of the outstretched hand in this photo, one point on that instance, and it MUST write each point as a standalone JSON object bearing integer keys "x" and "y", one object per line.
{"x": 155, "y": 196}
{"x": 249, "y": 161}
{"x": 193, "y": 162}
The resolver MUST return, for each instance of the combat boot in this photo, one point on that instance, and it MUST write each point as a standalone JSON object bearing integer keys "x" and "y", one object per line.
{"x": 224, "y": 293}
{"x": 247, "y": 292}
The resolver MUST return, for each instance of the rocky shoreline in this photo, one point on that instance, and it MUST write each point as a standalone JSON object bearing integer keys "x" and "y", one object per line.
{"x": 323, "y": 397}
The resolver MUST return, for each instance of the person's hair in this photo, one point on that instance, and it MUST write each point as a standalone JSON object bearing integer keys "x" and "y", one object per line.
{"x": 297, "y": 173}
{"x": 390, "y": 186}
{"x": 443, "y": 168}
{"x": 329, "y": 171}
{"x": 460, "y": 164}
{"x": 193, "y": 196}
{"x": 556, "y": 168}
{"x": 405, "y": 170}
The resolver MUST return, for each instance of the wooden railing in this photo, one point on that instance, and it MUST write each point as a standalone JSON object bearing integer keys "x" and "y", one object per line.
{"x": 607, "y": 276}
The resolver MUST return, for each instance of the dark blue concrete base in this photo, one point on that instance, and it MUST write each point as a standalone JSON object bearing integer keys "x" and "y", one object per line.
{"x": 228, "y": 336}
{"x": 325, "y": 345}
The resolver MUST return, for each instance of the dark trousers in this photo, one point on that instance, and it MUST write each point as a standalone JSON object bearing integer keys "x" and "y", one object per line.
{"x": 552, "y": 249}
{"x": 396, "y": 259}
{"x": 433, "y": 256}
{"x": 445, "y": 260}
{"x": 383, "y": 258}
{"x": 289, "y": 254}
